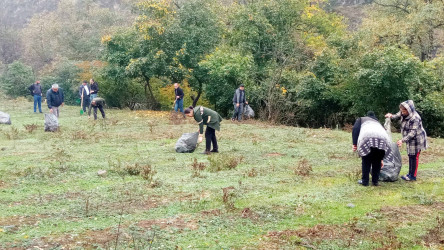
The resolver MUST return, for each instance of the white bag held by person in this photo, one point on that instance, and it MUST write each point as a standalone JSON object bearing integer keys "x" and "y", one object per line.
{"x": 51, "y": 123}
{"x": 5, "y": 118}
{"x": 187, "y": 143}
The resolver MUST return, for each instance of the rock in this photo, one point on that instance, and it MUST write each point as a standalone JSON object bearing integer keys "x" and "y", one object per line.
{"x": 351, "y": 205}
{"x": 102, "y": 173}
{"x": 9, "y": 228}
{"x": 5, "y": 118}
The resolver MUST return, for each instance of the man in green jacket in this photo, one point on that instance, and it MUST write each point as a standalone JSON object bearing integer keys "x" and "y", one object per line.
{"x": 97, "y": 103}
{"x": 206, "y": 116}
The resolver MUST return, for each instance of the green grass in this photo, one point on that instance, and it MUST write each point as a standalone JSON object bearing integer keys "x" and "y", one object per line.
{"x": 52, "y": 197}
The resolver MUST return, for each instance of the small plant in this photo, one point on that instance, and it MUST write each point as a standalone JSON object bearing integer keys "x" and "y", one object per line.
{"x": 424, "y": 199}
{"x": 60, "y": 157}
{"x": 252, "y": 172}
{"x": 228, "y": 197}
{"x": 147, "y": 172}
{"x": 79, "y": 135}
{"x": 219, "y": 162}
{"x": 133, "y": 169}
{"x": 354, "y": 175}
{"x": 30, "y": 127}
{"x": 197, "y": 168}
{"x": 12, "y": 134}
{"x": 303, "y": 168}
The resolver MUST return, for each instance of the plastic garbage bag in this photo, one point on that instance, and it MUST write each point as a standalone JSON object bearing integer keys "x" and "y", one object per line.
{"x": 5, "y": 118}
{"x": 390, "y": 170}
{"x": 248, "y": 112}
{"x": 187, "y": 143}
{"x": 51, "y": 123}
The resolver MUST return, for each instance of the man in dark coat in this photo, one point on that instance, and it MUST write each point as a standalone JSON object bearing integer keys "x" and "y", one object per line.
{"x": 94, "y": 87}
{"x": 178, "y": 95}
{"x": 84, "y": 93}
{"x": 238, "y": 101}
{"x": 97, "y": 103}
{"x": 36, "y": 92}
{"x": 55, "y": 99}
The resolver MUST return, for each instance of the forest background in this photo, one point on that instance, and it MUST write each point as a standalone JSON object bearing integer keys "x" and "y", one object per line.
{"x": 304, "y": 63}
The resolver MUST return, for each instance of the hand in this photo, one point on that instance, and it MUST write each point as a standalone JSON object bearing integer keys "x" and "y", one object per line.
{"x": 382, "y": 164}
{"x": 246, "y": 103}
{"x": 237, "y": 104}
{"x": 89, "y": 117}
{"x": 354, "y": 148}
{"x": 399, "y": 143}
{"x": 388, "y": 115}
{"x": 63, "y": 104}
{"x": 200, "y": 139}
{"x": 177, "y": 97}
{"x": 50, "y": 111}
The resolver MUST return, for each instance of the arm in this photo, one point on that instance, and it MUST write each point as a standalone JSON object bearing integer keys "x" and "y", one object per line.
{"x": 199, "y": 120}
{"x": 81, "y": 91}
{"x": 48, "y": 99}
{"x": 396, "y": 116}
{"x": 181, "y": 94}
{"x": 356, "y": 131}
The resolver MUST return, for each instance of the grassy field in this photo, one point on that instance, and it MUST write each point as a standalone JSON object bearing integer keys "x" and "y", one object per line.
{"x": 271, "y": 187}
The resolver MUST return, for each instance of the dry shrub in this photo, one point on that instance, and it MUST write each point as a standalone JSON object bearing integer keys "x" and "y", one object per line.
{"x": 176, "y": 118}
{"x": 219, "y": 162}
{"x": 197, "y": 167}
{"x": 12, "y": 134}
{"x": 228, "y": 197}
{"x": 30, "y": 127}
{"x": 252, "y": 172}
{"x": 354, "y": 175}
{"x": 79, "y": 135}
{"x": 303, "y": 168}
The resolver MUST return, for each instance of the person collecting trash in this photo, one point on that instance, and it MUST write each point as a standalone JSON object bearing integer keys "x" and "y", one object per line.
{"x": 206, "y": 116}
{"x": 373, "y": 144}
{"x": 413, "y": 135}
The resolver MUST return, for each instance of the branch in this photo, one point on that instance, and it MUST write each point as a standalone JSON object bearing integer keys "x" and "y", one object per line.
{"x": 399, "y": 7}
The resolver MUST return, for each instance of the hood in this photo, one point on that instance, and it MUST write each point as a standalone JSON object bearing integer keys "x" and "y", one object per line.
{"x": 410, "y": 106}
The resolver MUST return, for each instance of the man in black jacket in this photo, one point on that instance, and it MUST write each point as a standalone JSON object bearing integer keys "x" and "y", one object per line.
{"x": 178, "y": 93}
{"x": 36, "y": 92}
{"x": 55, "y": 99}
{"x": 84, "y": 93}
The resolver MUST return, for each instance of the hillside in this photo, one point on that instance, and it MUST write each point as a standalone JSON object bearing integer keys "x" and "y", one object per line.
{"x": 270, "y": 187}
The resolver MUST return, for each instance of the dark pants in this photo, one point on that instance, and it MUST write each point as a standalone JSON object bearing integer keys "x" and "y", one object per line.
{"x": 413, "y": 164}
{"x": 101, "y": 111}
{"x": 238, "y": 111}
{"x": 38, "y": 101}
{"x": 86, "y": 103}
{"x": 373, "y": 161}
{"x": 210, "y": 137}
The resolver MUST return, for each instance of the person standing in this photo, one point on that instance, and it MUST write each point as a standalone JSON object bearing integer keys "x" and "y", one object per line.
{"x": 84, "y": 93}
{"x": 97, "y": 103}
{"x": 178, "y": 93}
{"x": 372, "y": 143}
{"x": 205, "y": 116}
{"x": 36, "y": 92}
{"x": 413, "y": 135}
{"x": 55, "y": 99}
{"x": 94, "y": 87}
{"x": 238, "y": 101}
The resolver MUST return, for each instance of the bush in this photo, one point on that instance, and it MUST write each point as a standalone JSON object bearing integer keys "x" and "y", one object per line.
{"x": 16, "y": 79}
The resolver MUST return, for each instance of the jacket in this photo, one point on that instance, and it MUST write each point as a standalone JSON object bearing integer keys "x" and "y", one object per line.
{"x": 82, "y": 90}
{"x": 178, "y": 92}
{"x": 239, "y": 96}
{"x": 206, "y": 116}
{"x": 413, "y": 133}
{"x": 54, "y": 99}
{"x": 94, "y": 88}
{"x": 369, "y": 133}
{"x": 35, "y": 89}
{"x": 99, "y": 101}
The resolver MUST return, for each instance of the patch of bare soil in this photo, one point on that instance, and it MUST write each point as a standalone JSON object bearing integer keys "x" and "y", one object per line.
{"x": 14, "y": 223}
{"x": 274, "y": 154}
{"x": 179, "y": 223}
{"x": 435, "y": 236}
{"x": 411, "y": 213}
{"x": 213, "y": 212}
{"x": 248, "y": 213}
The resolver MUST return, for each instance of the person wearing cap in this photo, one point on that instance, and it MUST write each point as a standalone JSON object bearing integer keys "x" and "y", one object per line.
{"x": 97, "y": 103}
{"x": 413, "y": 135}
{"x": 36, "y": 92}
{"x": 55, "y": 99}
{"x": 372, "y": 142}
{"x": 84, "y": 93}
{"x": 238, "y": 101}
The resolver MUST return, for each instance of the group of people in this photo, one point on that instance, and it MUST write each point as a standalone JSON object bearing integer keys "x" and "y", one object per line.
{"x": 373, "y": 144}
{"x": 55, "y": 98}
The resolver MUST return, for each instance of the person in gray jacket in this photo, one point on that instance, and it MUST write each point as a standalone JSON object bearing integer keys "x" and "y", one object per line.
{"x": 373, "y": 144}
{"x": 239, "y": 100}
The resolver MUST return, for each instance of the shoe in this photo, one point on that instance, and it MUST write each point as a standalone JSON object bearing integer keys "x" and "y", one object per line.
{"x": 412, "y": 178}
{"x": 232, "y": 119}
{"x": 206, "y": 152}
{"x": 375, "y": 184}
{"x": 360, "y": 182}
{"x": 214, "y": 151}
{"x": 408, "y": 178}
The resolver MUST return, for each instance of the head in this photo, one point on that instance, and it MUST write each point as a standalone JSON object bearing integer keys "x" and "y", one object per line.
{"x": 404, "y": 111}
{"x": 84, "y": 82}
{"x": 91, "y": 81}
{"x": 241, "y": 87}
{"x": 371, "y": 114}
{"x": 189, "y": 111}
{"x": 93, "y": 102}
{"x": 176, "y": 85}
{"x": 37, "y": 82}
{"x": 55, "y": 87}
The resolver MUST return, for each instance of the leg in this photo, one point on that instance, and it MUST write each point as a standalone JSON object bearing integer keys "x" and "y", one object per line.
{"x": 240, "y": 110}
{"x": 55, "y": 111}
{"x": 181, "y": 105}
{"x": 234, "y": 113}
{"x": 95, "y": 112}
{"x": 39, "y": 102}
{"x": 102, "y": 111}
{"x": 208, "y": 139}
{"x": 376, "y": 164}
{"x": 366, "y": 164}
{"x": 35, "y": 102}
{"x": 417, "y": 163}
{"x": 214, "y": 141}
{"x": 176, "y": 105}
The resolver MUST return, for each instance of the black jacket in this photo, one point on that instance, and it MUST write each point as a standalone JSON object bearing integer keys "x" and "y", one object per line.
{"x": 54, "y": 99}
{"x": 98, "y": 102}
{"x": 94, "y": 88}
{"x": 178, "y": 92}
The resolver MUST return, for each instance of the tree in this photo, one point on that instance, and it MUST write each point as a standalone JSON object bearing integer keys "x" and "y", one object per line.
{"x": 16, "y": 79}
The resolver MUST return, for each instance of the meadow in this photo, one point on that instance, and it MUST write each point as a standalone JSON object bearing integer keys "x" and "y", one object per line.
{"x": 270, "y": 187}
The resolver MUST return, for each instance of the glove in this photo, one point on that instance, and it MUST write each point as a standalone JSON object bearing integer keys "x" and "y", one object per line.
{"x": 200, "y": 139}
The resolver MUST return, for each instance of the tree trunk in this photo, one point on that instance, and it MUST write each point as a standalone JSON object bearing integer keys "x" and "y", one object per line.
{"x": 199, "y": 93}
{"x": 147, "y": 86}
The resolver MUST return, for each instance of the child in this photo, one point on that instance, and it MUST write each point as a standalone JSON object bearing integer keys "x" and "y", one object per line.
{"x": 413, "y": 134}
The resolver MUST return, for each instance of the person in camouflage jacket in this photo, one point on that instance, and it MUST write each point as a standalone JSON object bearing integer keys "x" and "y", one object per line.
{"x": 413, "y": 135}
